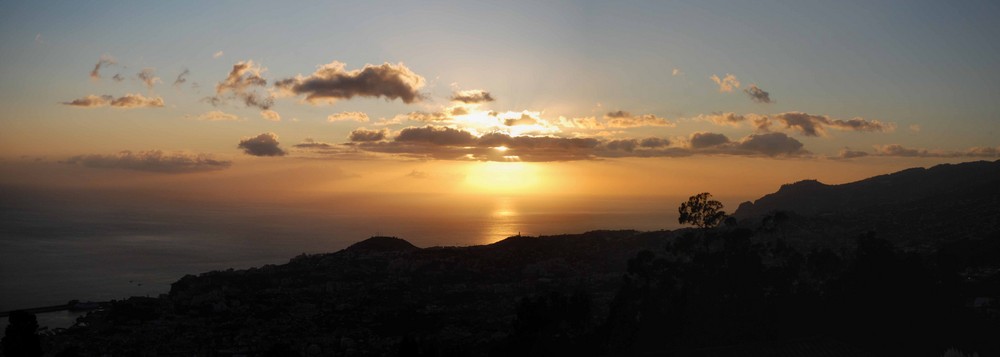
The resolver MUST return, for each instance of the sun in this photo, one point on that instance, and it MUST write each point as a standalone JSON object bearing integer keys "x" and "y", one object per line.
{"x": 504, "y": 177}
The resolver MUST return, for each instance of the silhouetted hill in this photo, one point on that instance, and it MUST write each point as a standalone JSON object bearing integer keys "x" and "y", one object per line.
{"x": 944, "y": 202}
{"x": 381, "y": 244}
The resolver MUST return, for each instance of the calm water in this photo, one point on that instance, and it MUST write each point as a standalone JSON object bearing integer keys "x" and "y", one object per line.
{"x": 58, "y": 246}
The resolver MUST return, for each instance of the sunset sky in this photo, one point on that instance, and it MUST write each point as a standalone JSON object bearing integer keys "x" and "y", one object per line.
{"x": 603, "y": 98}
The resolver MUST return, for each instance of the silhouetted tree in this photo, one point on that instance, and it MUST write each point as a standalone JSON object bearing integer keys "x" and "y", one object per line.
{"x": 20, "y": 338}
{"x": 702, "y": 211}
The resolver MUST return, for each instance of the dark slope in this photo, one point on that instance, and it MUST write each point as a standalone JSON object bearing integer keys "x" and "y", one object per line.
{"x": 382, "y": 244}
{"x": 913, "y": 206}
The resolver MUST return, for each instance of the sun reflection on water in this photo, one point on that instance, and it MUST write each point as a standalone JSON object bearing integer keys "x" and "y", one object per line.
{"x": 504, "y": 221}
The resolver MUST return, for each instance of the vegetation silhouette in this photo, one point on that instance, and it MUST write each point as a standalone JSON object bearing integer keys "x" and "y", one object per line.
{"x": 21, "y": 336}
{"x": 701, "y": 211}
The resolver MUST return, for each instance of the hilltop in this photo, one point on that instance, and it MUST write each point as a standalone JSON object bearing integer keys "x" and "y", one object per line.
{"x": 912, "y": 207}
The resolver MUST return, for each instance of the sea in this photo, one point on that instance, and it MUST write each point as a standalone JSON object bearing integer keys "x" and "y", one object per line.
{"x": 61, "y": 245}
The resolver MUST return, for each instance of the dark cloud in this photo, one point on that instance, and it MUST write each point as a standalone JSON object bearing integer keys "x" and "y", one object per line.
{"x": 106, "y": 60}
{"x": 148, "y": 77}
{"x": 437, "y": 136}
{"x": 153, "y": 161}
{"x": 847, "y": 153}
{"x": 983, "y": 151}
{"x": 459, "y": 111}
{"x": 118, "y": 77}
{"x": 858, "y": 124}
{"x": 807, "y": 124}
{"x": 758, "y": 95}
{"x": 310, "y": 143}
{"x": 472, "y": 96}
{"x": 455, "y": 144}
{"x": 770, "y": 144}
{"x": 265, "y": 144}
{"x": 128, "y": 101}
{"x": 654, "y": 142}
{"x": 365, "y": 135}
{"x": 704, "y": 140}
{"x": 332, "y": 81}
{"x": 181, "y": 78}
{"x": 623, "y": 119}
{"x": 91, "y": 101}
{"x": 815, "y": 125}
{"x": 242, "y": 83}
{"x": 627, "y": 145}
{"x": 525, "y": 119}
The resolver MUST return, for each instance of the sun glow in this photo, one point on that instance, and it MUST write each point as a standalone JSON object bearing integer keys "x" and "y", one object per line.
{"x": 504, "y": 177}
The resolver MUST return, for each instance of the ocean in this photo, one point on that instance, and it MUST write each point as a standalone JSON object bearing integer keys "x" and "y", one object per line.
{"x": 96, "y": 246}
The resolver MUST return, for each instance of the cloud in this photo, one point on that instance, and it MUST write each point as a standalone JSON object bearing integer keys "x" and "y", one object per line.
{"x": 217, "y": 115}
{"x": 726, "y": 84}
{"x": 654, "y": 142}
{"x": 91, "y": 101}
{"x": 118, "y": 77}
{"x": 436, "y": 135}
{"x": 342, "y": 116}
{"x": 623, "y": 119}
{"x": 581, "y": 123}
{"x": 459, "y": 111}
{"x": 136, "y": 100}
{"x": 676, "y": 72}
{"x": 152, "y": 161}
{"x": 758, "y": 95}
{"x": 770, "y": 144}
{"x": 148, "y": 76}
{"x": 983, "y": 151}
{"x": 847, "y": 153}
{"x": 271, "y": 115}
{"x": 104, "y": 61}
{"x": 456, "y": 144}
{"x": 181, "y": 78}
{"x": 525, "y": 119}
{"x": 128, "y": 101}
{"x": 365, "y": 135}
{"x": 728, "y": 119}
{"x": 241, "y": 83}
{"x": 815, "y": 125}
{"x": 331, "y": 82}
{"x": 417, "y": 174}
{"x": 427, "y": 117}
{"x": 218, "y": 54}
{"x": 627, "y": 145}
{"x": 903, "y": 151}
{"x": 310, "y": 143}
{"x": 704, "y": 140}
{"x": 265, "y": 144}
{"x": 472, "y": 96}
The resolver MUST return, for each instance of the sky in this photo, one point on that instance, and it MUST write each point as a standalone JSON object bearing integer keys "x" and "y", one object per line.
{"x": 140, "y": 141}
{"x": 236, "y": 99}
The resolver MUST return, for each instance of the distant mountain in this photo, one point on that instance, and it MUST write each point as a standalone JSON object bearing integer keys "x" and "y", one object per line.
{"x": 943, "y": 202}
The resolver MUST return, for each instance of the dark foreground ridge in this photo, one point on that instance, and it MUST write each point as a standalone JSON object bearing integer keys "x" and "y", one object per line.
{"x": 833, "y": 277}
